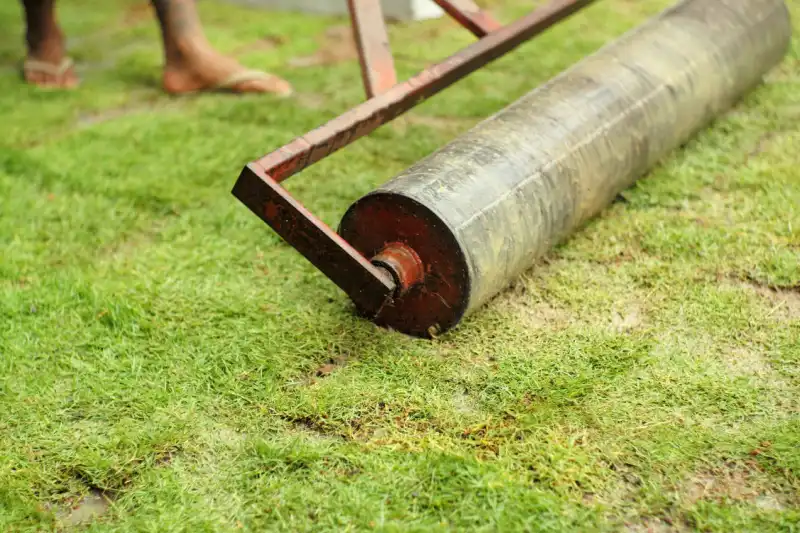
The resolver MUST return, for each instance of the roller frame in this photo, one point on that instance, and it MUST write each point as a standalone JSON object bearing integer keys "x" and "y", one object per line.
{"x": 370, "y": 282}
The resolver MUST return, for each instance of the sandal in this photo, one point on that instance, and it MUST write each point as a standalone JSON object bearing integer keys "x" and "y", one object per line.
{"x": 56, "y": 72}
{"x": 248, "y": 75}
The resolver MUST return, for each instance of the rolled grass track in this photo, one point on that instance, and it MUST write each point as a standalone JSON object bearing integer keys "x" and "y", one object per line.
{"x": 168, "y": 364}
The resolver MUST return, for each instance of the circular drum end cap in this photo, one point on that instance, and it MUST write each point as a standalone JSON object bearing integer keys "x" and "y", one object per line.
{"x": 419, "y": 249}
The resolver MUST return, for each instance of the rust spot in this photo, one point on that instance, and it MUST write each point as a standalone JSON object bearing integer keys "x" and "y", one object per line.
{"x": 404, "y": 264}
{"x": 271, "y": 210}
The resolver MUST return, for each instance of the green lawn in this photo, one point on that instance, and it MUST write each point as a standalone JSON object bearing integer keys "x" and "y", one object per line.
{"x": 162, "y": 350}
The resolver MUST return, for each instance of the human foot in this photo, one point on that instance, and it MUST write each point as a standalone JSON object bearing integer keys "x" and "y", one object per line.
{"x": 208, "y": 70}
{"x": 47, "y": 65}
{"x": 45, "y": 74}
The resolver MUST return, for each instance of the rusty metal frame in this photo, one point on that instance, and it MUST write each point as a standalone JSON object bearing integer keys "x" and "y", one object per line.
{"x": 372, "y": 40}
{"x": 370, "y": 285}
{"x": 469, "y": 15}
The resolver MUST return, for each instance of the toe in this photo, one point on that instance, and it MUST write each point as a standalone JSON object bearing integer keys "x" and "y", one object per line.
{"x": 70, "y": 79}
{"x": 34, "y": 77}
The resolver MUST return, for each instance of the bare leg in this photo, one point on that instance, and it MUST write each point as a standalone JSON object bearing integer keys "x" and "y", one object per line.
{"x": 46, "y": 64}
{"x": 192, "y": 64}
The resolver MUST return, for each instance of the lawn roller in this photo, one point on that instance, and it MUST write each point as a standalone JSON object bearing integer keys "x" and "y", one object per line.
{"x": 440, "y": 239}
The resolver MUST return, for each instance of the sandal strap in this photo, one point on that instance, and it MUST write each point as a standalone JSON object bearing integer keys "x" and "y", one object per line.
{"x": 49, "y": 68}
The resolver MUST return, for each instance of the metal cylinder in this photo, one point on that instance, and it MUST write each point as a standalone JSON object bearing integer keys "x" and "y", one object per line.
{"x": 482, "y": 209}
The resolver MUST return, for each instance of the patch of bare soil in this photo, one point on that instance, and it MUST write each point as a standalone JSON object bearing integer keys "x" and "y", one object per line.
{"x": 783, "y": 300}
{"x": 93, "y": 505}
{"x": 749, "y": 362}
{"x": 538, "y": 315}
{"x": 734, "y": 482}
{"x": 627, "y": 319}
{"x": 332, "y": 365}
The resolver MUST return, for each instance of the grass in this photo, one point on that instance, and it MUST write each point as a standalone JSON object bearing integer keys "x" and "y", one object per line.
{"x": 163, "y": 352}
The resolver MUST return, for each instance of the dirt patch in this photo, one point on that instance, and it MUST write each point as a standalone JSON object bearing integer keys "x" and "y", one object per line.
{"x": 222, "y": 436}
{"x": 83, "y": 510}
{"x": 784, "y": 301}
{"x": 626, "y": 488}
{"x": 307, "y": 423}
{"x": 542, "y": 315}
{"x": 317, "y": 426}
{"x": 383, "y": 424}
{"x": 627, "y": 319}
{"x": 748, "y": 362}
{"x": 335, "y": 46}
{"x": 734, "y": 482}
{"x": 325, "y": 370}
{"x": 753, "y": 364}
{"x": 463, "y": 404}
{"x": 164, "y": 458}
{"x": 534, "y": 314}
{"x": 332, "y": 365}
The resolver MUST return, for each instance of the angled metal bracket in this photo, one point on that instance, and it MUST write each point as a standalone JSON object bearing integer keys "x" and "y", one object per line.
{"x": 258, "y": 187}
